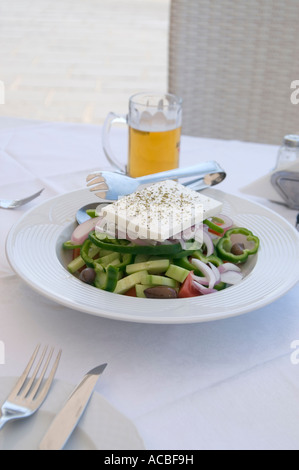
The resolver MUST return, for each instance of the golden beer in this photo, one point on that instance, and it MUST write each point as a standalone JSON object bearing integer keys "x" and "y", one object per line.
{"x": 154, "y": 121}
{"x": 153, "y": 152}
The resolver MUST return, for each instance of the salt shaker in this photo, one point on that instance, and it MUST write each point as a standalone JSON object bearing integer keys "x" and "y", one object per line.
{"x": 289, "y": 151}
{"x": 285, "y": 177}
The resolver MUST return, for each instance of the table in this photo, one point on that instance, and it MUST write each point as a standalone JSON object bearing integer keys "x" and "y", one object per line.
{"x": 229, "y": 384}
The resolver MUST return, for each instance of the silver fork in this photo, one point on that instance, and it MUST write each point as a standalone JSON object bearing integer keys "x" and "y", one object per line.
{"x": 14, "y": 203}
{"x": 29, "y": 393}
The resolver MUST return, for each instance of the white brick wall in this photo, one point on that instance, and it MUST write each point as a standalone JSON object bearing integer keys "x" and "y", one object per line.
{"x": 76, "y": 60}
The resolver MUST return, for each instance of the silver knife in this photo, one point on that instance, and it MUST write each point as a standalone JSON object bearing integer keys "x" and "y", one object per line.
{"x": 66, "y": 420}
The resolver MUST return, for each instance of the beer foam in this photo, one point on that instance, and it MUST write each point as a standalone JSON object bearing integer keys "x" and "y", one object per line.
{"x": 157, "y": 122}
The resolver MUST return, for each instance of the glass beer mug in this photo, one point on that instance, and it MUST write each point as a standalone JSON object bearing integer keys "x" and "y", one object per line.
{"x": 154, "y": 122}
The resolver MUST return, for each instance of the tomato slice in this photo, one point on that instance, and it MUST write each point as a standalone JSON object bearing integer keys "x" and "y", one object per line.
{"x": 215, "y": 233}
{"x": 76, "y": 252}
{"x": 131, "y": 292}
{"x": 188, "y": 288}
{"x": 220, "y": 235}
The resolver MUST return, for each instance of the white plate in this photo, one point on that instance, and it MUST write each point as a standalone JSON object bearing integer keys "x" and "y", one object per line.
{"x": 34, "y": 250}
{"x": 101, "y": 426}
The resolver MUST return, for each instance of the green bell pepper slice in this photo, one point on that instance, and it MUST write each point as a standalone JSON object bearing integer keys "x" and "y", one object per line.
{"x": 119, "y": 246}
{"x": 69, "y": 245}
{"x": 208, "y": 259}
{"x": 186, "y": 264}
{"x": 92, "y": 213}
{"x": 225, "y": 244}
{"x": 216, "y": 228}
{"x": 107, "y": 280}
{"x": 86, "y": 254}
{"x": 126, "y": 258}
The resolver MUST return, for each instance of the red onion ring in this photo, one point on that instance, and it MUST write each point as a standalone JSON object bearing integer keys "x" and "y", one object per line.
{"x": 223, "y": 268}
{"x": 206, "y": 270}
{"x": 231, "y": 277}
{"x": 81, "y": 232}
{"x": 228, "y": 223}
{"x": 204, "y": 290}
{"x": 207, "y": 240}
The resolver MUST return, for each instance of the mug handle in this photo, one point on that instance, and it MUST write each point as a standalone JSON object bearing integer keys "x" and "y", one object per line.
{"x": 110, "y": 119}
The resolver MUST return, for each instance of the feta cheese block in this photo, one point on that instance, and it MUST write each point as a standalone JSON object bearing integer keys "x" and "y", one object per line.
{"x": 157, "y": 212}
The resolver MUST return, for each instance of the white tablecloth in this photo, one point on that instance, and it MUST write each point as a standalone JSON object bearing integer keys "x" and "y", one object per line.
{"x": 228, "y": 384}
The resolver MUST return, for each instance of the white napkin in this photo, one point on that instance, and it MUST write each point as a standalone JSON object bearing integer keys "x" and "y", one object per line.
{"x": 262, "y": 187}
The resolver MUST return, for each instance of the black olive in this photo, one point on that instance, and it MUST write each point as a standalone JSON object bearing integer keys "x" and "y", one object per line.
{"x": 160, "y": 292}
{"x": 238, "y": 249}
{"x": 88, "y": 275}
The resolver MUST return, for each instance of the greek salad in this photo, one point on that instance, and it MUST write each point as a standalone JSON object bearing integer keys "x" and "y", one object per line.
{"x": 202, "y": 259}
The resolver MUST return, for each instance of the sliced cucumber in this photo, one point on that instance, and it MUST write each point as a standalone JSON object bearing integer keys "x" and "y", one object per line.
{"x": 108, "y": 259}
{"x": 129, "y": 281}
{"x": 105, "y": 252}
{"x": 103, "y": 236}
{"x": 141, "y": 258}
{"x": 153, "y": 267}
{"x": 177, "y": 273}
{"x": 152, "y": 280}
{"x": 116, "y": 262}
{"x": 107, "y": 280}
{"x": 140, "y": 288}
{"x": 79, "y": 262}
{"x": 185, "y": 263}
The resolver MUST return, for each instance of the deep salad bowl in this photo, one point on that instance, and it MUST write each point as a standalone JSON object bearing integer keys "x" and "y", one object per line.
{"x": 34, "y": 250}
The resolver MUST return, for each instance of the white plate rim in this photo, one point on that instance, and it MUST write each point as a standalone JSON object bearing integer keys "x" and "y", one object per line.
{"x": 87, "y": 426}
{"x": 165, "y": 318}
